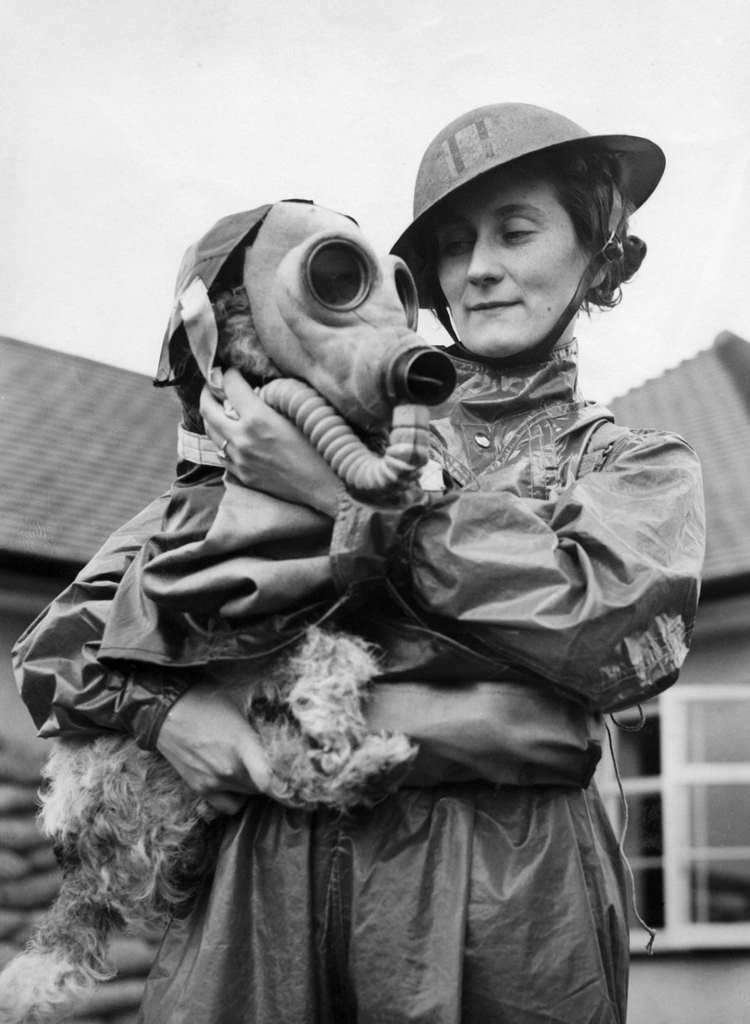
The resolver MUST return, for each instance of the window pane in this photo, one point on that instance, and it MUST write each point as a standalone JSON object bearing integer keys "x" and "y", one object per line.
{"x": 644, "y": 835}
{"x": 718, "y": 730}
{"x": 639, "y": 753}
{"x": 719, "y": 815}
{"x": 649, "y": 897}
{"x": 721, "y": 891}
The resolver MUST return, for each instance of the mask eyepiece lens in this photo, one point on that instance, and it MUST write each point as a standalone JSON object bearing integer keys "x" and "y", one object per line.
{"x": 338, "y": 275}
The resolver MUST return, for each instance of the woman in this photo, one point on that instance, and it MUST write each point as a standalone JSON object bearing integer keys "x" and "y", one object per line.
{"x": 552, "y": 575}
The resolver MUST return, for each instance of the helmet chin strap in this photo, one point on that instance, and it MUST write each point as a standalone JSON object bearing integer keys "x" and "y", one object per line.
{"x": 610, "y": 252}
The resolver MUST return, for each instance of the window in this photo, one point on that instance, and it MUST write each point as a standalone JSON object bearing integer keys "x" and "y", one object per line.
{"x": 686, "y": 777}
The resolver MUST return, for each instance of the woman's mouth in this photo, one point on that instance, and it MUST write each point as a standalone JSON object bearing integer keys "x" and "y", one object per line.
{"x": 479, "y": 307}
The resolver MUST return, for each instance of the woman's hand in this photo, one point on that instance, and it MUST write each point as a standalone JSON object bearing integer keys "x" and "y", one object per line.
{"x": 209, "y": 742}
{"x": 264, "y": 450}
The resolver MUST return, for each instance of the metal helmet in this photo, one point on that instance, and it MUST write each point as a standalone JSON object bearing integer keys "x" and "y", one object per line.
{"x": 490, "y": 137}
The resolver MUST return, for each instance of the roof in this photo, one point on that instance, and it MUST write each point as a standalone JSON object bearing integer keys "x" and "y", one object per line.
{"x": 706, "y": 399}
{"x": 86, "y": 446}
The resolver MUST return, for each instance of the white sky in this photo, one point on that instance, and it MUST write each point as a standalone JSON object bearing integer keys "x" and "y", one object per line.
{"x": 128, "y": 128}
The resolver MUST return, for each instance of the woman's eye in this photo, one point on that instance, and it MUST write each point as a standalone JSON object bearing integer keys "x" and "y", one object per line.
{"x": 454, "y": 246}
{"x": 516, "y": 232}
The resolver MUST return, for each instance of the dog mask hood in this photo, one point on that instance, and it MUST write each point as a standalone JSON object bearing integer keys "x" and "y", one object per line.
{"x": 325, "y": 308}
{"x": 204, "y": 261}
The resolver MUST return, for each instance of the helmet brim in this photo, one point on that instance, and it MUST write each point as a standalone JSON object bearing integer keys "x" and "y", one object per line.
{"x": 641, "y": 160}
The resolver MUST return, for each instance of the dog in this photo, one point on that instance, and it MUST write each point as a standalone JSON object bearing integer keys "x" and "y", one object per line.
{"x": 134, "y": 841}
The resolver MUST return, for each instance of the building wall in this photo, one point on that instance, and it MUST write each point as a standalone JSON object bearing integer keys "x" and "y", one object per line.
{"x": 695, "y": 988}
{"x": 22, "y": 597}
{"x": 694, "y": 985}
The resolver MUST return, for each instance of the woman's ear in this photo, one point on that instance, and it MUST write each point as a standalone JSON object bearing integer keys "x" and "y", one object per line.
{"x": 612, "y": 256}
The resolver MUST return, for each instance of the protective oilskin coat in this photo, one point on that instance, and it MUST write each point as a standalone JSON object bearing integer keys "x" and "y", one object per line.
{"x": 555, "y": 579}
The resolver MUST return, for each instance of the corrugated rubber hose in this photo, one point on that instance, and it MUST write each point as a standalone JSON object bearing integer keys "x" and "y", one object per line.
{"x": 360, "y": 468}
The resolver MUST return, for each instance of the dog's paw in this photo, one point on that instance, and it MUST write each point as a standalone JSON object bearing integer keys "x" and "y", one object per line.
{"x": 308, "y": 777}
{"x": 375, "y": 769}
{"x": 331, "y": 759}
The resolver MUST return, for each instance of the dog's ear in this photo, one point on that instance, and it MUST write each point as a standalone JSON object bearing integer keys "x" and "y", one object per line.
{"x": 239, "y": 345}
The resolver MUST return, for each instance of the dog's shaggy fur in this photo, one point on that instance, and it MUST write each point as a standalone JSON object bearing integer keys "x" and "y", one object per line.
{"x": 136, "y": 842}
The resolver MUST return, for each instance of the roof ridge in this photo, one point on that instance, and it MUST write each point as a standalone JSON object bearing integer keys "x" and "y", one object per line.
{"x": 70, "y": 357}
{"x": 722, "y": 341}
{"x": 733, "y": 354}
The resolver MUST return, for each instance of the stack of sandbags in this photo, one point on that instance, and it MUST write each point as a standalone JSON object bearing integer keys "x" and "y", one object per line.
{"x": 29, "y": 876}
{"x": 29, "y": 880}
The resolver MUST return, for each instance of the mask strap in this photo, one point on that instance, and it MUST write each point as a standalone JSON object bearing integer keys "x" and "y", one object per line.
{"x": 610, "y": 252}
{"x": 200, "y": 324}
{"x": 444, "y": 317}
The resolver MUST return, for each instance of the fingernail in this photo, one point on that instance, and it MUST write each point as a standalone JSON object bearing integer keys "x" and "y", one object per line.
{"x": 215, "y": 377}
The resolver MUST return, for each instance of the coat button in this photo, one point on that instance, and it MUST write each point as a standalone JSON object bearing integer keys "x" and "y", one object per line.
{"x": 481, "y": 440}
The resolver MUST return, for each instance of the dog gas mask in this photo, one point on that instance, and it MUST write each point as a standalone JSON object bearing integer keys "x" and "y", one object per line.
{"x": 329, "y": 312}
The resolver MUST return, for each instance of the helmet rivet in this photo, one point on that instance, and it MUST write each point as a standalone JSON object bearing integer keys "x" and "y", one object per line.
{"x": 481, "y": 440}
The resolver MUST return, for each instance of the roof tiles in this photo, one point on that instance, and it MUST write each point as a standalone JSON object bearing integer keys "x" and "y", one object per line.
{"x": 85, "y": 446}
{"x": 706, "y": 399}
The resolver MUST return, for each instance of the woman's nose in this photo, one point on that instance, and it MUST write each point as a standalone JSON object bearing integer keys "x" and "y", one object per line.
{"x": 485, "y": 264}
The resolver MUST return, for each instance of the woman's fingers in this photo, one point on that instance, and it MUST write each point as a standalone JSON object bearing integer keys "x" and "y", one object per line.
{"x": 251, "y": 760}
{"x": 241, "y": 418}
{"x": 255, "y": 761}
{"x": 214, "y": 407}
{"x": 228, "y": 398}
{"x": 238, "y": 392}
{"x": 206, "y": 737}
{"x": 265, "y": 450}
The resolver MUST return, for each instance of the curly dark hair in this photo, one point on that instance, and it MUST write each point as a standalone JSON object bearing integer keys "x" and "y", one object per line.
{"x": 588, "y": 187}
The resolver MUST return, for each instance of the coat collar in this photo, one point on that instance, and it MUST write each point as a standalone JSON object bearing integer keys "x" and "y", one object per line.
{"x": 487, "y": 393}
{"x": 197, "y": 448}
{"x": 498, "y": 415}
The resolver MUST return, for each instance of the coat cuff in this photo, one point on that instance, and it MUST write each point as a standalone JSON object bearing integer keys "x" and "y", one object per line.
{"x": 143, "y": 705}
{"x": 372, "y": 542}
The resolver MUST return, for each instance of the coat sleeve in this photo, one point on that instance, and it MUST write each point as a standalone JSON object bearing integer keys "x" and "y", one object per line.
{"x": 66, "y": 689}
{"x": 594, "y": 591}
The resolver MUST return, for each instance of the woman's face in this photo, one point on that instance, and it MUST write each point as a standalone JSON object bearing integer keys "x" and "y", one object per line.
{"x": 508, "y": 262}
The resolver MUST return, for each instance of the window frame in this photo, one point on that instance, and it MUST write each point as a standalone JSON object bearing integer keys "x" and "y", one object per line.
{"x": 676, "y": 776}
